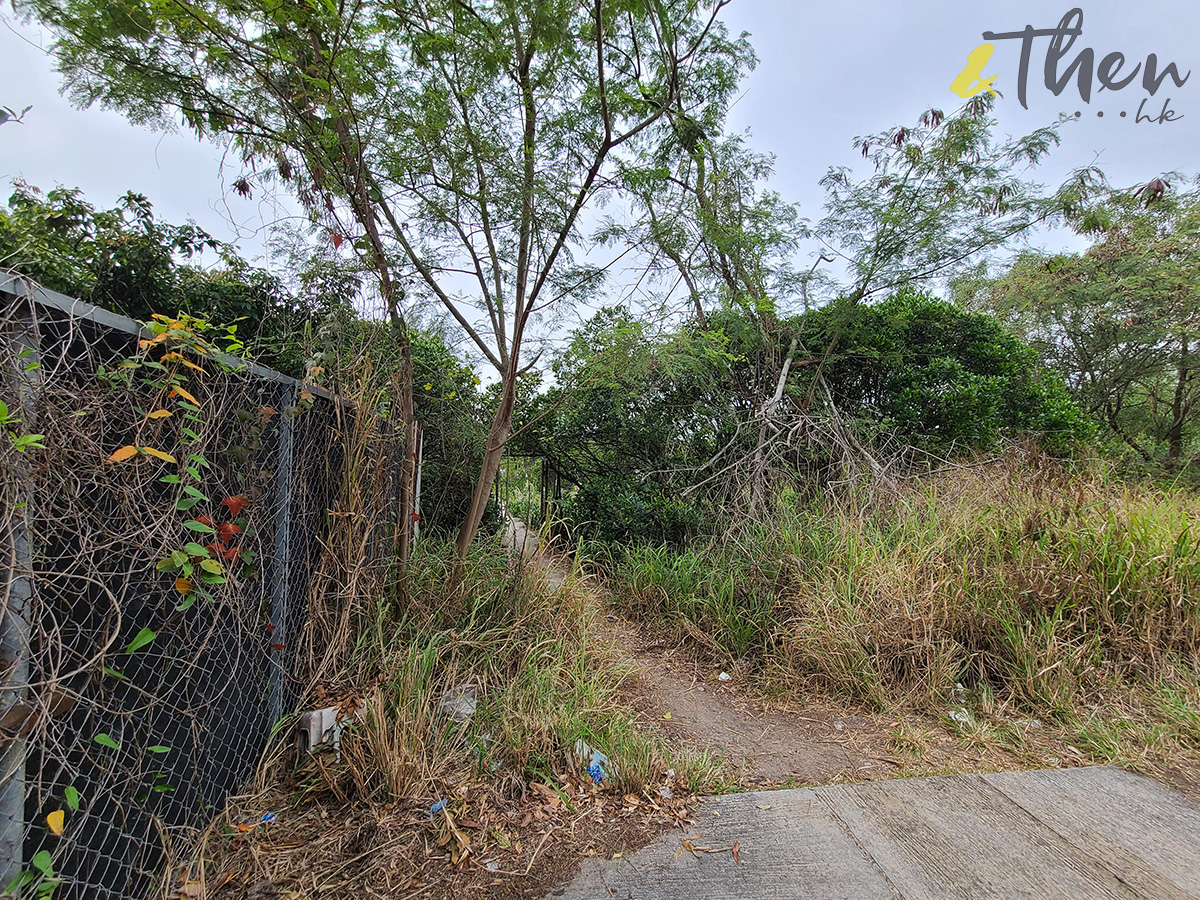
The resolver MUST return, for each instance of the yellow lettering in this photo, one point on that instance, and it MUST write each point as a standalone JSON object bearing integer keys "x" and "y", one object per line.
{"x": 970, "y": 81}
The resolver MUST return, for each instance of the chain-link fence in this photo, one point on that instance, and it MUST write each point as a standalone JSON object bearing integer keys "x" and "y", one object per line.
{"x": 158, "y": 542}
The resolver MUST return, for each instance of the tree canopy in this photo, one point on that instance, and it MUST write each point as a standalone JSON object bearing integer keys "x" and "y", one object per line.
{"x": 453, "y": 145}
{"x": 128, "y": 260}
{"x": 1119, "y": 320}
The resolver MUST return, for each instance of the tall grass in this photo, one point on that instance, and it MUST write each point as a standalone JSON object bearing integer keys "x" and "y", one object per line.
{"x": 534, "y": 657}
{"x": 1020, "y": 579}
{"x": 531, "y": 651}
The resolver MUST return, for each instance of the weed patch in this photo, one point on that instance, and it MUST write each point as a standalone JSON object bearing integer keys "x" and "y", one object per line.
{"x": 473, "y": 693}
{"x": 1039, "y": 589}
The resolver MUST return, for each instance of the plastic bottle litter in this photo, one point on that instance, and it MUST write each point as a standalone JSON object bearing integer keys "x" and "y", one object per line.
{"x": 599, "y": 767}
{"x": 959, "y": 716}
{"x": 459, "y": 703}
{"x": 724, "y": 676}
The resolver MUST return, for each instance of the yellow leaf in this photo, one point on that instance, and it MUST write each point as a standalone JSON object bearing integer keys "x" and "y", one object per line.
{"x": 177, "y": 391}
{"x": 55, "y": 821}
{"x": 159, "y": 414}
{"x": 175, "y": 356}
{"x": 127, "y": 452}
{"x": 183, "y": 586}
{"x": 165, "y": 457}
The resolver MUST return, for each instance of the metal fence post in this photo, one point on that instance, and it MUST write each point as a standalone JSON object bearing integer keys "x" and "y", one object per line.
{"x": 282, "y": 562}
{"x": 416, "y": 503}
{"x": 15, "y": 625}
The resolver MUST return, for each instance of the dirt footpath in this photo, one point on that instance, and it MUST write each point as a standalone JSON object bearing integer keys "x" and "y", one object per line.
{"x": 764, "y": 746}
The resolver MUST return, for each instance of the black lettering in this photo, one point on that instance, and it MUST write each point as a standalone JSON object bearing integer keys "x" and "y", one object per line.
{"x": 1166, "y": 115}
{"x": 1110, "y": 66}
{"x": 1083, "y": 63}
{"x": 1151, "y": 80}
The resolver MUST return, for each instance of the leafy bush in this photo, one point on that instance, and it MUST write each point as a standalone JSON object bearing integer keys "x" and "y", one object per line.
{"x": 922, "y": 370}
{"x": 126, "y": 260}
{"x": 660, "y": 431}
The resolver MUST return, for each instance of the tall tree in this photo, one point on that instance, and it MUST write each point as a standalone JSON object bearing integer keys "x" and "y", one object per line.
{"x": 454, "y": 143}
{"x": 1121, "y": 320}
{"x": 943, "y": 192}
{"x": 706, "y": 220}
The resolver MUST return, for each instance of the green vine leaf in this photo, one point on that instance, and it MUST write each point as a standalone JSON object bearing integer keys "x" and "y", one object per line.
{"x": 143, "y": 637}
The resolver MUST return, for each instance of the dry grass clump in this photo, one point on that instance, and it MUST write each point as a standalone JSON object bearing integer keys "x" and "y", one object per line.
{"x": 530, "y": 656}
{"x": 1016, "y": 579}
{"x": 453, "y": 788}
{"x": 426, "y": 795}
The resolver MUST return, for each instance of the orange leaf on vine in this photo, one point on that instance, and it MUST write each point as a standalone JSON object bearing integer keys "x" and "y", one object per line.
{"x": 176, "y": 356}
{"x": 56, "y": 820}
{"x": 177, "y": 391}
{"x": 165, "y": 457}
{"x": 127, "y": 452}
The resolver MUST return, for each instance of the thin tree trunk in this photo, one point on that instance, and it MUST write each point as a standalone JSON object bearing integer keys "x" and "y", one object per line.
{"x": 1175, "y": 435}
{"x": 758, "y": 480}
{"x": 498, "y": 436}
{"x": 408, "y": 422}
{"x": 409, "y": 469}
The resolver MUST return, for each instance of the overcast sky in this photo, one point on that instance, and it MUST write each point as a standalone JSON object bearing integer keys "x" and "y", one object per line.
{"x": 828, "y": 71}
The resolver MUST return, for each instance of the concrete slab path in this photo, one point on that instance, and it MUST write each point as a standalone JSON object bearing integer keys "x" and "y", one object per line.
{"x": 1065, "y": 833}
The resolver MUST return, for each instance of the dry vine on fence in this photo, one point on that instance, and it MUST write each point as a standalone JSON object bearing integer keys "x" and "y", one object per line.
{"x": 160, "y": 537}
